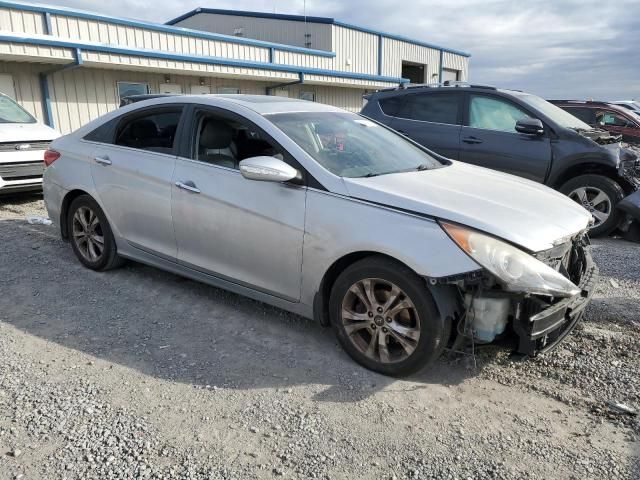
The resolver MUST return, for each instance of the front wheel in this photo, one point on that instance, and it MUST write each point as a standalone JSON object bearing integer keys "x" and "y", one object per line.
{"x": 599, "y": 195}
{"x": 385, "y": 317}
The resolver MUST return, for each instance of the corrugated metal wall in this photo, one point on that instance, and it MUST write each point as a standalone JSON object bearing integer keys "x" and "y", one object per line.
{"x": 270, "y": 30}
{"x": 81, "y": 95}
{"x": 396, "y": 51}
{"x": 347, "y": 98}
{"x": 94, "y": 31}
{"x": 356, "y": 51}
{"x": 457, "y": 62}
{"x": 22, "y": 21}
{"x": 26, "y": 82}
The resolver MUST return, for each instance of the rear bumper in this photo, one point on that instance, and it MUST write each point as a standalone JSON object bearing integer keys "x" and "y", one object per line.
{"x": 541, "y": 329}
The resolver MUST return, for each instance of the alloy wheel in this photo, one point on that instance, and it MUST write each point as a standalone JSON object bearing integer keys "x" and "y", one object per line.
{"x": 595, "y": 201}
{"x": 380, "y": 320}
{"x": 87, "y": 234}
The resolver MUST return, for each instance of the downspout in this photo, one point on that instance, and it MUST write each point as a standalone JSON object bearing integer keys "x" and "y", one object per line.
{"x": 44, "y": 85}
{"x": 283, "y": 85}
{"x": 441, "y": 67}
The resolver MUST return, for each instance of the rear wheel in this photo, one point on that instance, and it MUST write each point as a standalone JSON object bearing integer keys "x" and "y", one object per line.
{"x": 90, "y": 234}
{"x": 385, "y": 317}
{"x": 599, "y": 195}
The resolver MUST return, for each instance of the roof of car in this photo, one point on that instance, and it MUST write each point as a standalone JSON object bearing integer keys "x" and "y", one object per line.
{"x": 265, "y": 104}
{"x": 262, "y": 104}
{"x": 432, "y": 87}
{"x": 590, "y": 103}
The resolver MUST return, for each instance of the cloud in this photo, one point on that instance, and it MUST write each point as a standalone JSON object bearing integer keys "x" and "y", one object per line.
{"x": 562, "y": 48}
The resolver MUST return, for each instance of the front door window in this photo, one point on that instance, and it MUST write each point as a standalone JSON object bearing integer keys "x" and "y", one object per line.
{"x": 494, "y": 114}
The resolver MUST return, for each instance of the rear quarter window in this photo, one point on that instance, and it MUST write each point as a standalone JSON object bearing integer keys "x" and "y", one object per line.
{"x": 391, "y": 106}
{"x": 432, "y": 107}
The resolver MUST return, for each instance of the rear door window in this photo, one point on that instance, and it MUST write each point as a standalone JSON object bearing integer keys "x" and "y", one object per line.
{"x": 583, "y": 113}
{"x": 491, "y": 113}
{"x": 154, "y": 131}
{"x": 433, "y": 107}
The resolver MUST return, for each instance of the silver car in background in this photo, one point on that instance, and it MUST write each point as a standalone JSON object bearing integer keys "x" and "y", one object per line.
{"x": 329, "y": 215}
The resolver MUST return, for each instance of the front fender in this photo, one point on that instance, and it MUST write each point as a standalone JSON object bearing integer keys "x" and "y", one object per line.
{"x": 338, "y": 226}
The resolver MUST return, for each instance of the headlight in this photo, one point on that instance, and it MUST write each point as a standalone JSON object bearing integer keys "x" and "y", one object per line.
{"x": 517, "y": 270}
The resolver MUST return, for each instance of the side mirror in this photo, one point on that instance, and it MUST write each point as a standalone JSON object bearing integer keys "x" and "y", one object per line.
{"x": 530, "y": 126}
{"x": 267, "y": 169}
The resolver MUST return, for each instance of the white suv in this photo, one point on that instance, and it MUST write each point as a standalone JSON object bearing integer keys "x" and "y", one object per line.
{"x": 23, "y": 142}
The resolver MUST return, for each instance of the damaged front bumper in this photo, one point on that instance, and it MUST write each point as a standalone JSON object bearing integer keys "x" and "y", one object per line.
{"x": 540, "y": 324}
{"x": 534, "y": 323}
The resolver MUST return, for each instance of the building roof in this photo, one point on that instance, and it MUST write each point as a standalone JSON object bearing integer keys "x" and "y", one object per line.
{"x": 311, "y": 19}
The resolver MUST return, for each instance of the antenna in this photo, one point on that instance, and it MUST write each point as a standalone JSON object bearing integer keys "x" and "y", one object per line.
{"x": 307, "y": 35}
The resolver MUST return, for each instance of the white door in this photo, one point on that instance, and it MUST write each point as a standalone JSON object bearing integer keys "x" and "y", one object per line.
{"x": 6, "y": 85}
{"x": 200, "y": 90}
{"x": 172, "y": 88}
{"x": 450, "y": 74}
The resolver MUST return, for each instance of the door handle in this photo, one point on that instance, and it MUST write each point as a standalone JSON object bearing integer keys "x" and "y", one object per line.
{"x": 102, "y": 160}
{"x": 472, "y": 140}
{"x": 189, "y": 186}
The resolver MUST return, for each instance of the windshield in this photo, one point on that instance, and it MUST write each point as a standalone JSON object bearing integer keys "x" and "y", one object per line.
{"x": 349, "y": 145}
{"x": 558, "y": 115}
{"x": 11, "y": 112}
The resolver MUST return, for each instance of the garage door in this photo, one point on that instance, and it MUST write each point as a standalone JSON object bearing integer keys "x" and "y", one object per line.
{"x": 451, "y": 75}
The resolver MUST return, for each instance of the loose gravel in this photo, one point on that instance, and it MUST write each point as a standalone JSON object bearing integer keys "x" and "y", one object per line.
{"x": 137, "y": 373}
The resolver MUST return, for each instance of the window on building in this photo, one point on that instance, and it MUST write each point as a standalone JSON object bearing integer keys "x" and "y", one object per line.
{"x": 229, "y": 90}
{"x": 414, "y": 72}
{"x": 494, "y": 114}
{"x": 432, "y": 107}
{"x": 309, "y": 96}
{"x": 126, "y": 89}
{"x": 155, "y": 130}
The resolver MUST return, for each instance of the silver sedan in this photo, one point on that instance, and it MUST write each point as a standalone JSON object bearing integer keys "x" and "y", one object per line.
{"x": 329, "y": 215}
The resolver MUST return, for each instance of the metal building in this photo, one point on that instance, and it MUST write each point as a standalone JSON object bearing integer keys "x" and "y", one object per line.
{"x": 68, "y": 66}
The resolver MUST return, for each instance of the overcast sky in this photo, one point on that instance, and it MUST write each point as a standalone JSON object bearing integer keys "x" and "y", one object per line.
{"x": 554, "y": 48}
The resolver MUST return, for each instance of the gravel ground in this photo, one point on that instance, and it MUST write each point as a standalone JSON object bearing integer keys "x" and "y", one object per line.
{"x": 137, "y": 373}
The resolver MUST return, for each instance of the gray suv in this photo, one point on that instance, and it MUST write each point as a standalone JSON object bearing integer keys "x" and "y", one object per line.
{"x": 521, "y": 134}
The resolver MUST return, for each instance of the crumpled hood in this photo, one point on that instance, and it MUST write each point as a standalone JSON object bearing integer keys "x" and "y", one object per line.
{"x": 26, "y": 132}
{"x": 521, "y": 211}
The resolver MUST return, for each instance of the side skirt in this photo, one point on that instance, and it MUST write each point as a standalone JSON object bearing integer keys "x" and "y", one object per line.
{"x": 141, "y": 256}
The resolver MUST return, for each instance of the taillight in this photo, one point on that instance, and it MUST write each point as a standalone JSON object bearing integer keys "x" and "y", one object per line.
{"x": 50, "y": 156}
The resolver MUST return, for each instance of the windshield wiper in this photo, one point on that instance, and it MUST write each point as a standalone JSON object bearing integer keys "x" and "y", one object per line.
{"x": 420, "y": 168}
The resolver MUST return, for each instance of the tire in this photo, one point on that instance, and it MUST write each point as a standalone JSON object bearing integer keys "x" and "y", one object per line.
{"x": 597, "y": 187}
{"x": 353, "y": 319}
{"x": 85, "y": 236}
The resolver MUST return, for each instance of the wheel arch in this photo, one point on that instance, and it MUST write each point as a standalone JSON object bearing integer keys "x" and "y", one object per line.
{"x": 590, "y": 169}
{"x": 446, "y": 297}
{"x": 64, "y": 209}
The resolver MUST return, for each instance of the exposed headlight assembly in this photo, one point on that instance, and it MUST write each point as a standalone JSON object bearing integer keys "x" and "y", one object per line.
{"x": 516, "y": 270}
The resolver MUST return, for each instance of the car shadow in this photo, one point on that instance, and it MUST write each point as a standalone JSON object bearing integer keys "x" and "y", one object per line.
{"x": 176, "y": 329}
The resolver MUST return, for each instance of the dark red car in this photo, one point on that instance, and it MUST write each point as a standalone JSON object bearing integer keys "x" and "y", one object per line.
{"x": 613, "y": 118}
